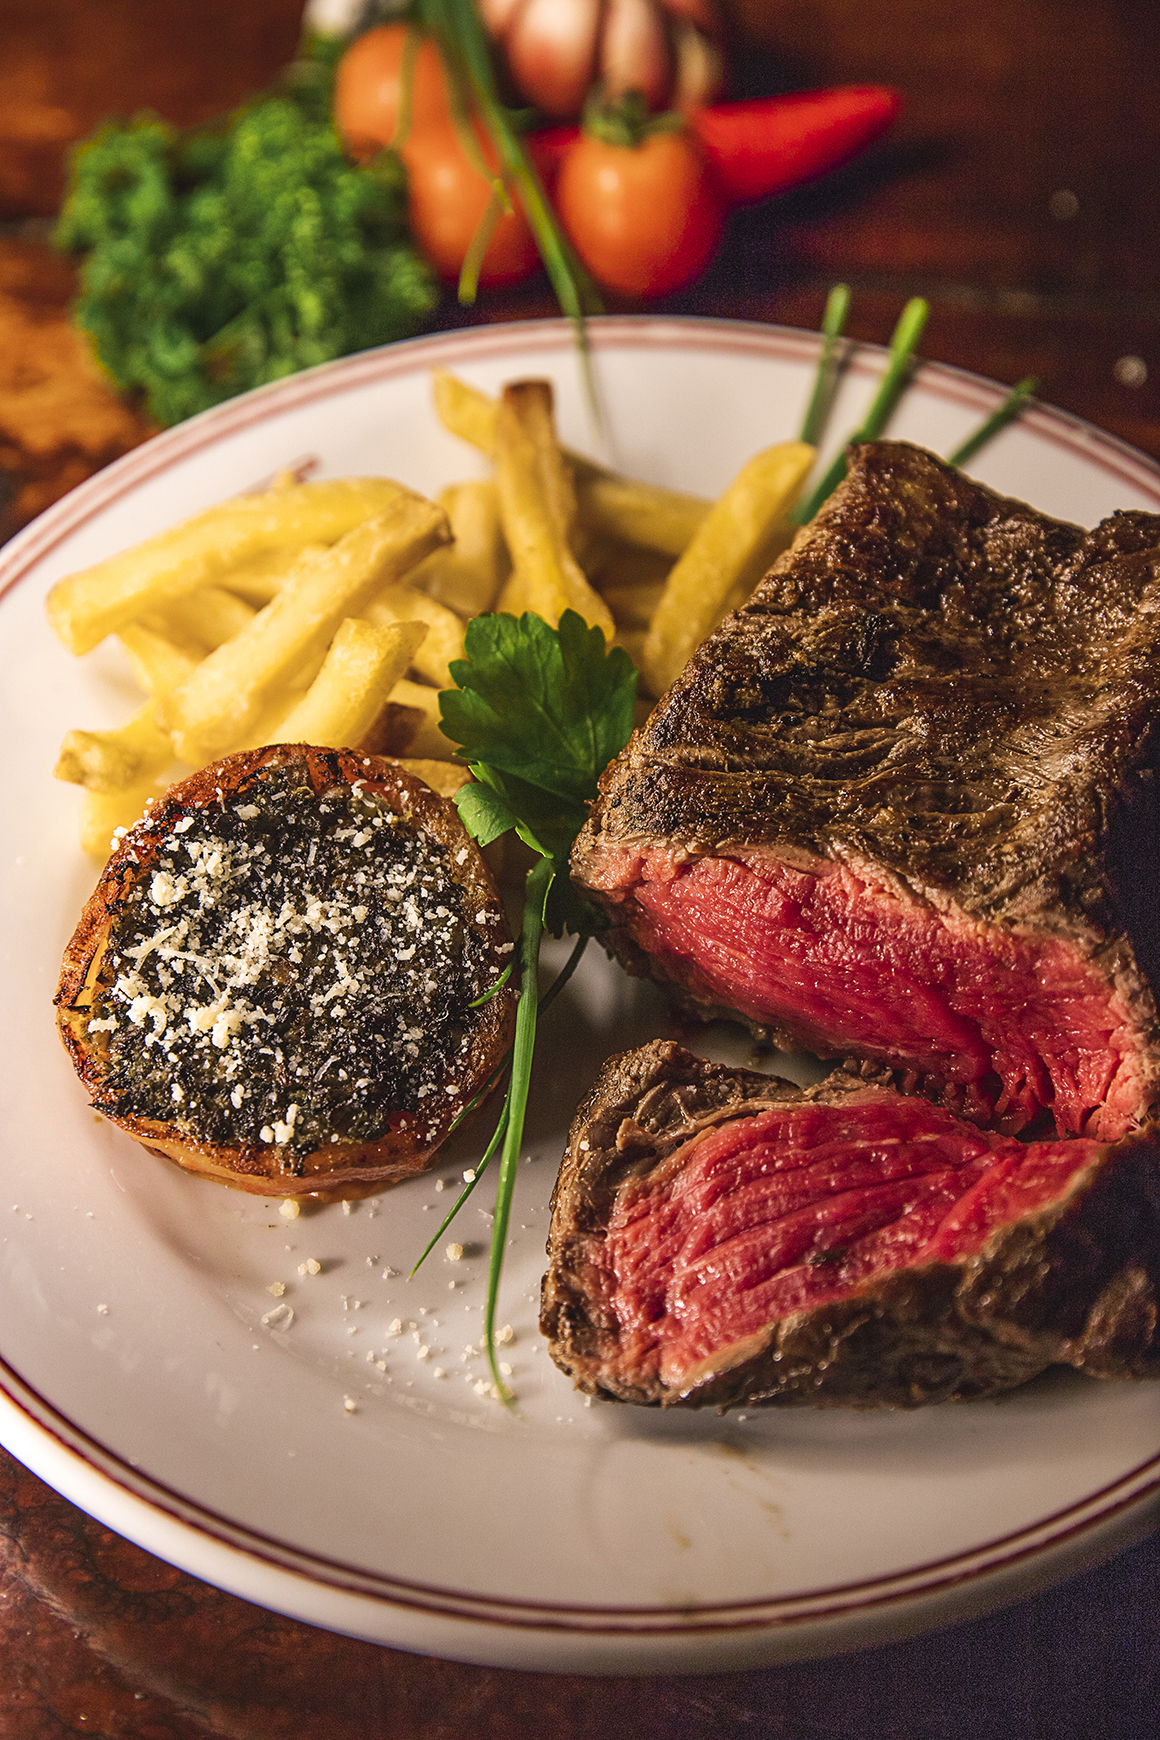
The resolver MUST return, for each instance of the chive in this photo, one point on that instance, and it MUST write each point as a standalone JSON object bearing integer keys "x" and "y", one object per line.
{"x": 1006, "y": 413}
{"x": 538, "y": 883}
{"x": 546, "y": 1002}
{"x": 477, "y": 247}
{"x": 480, "y": 1169}
{"x": 406, "y": 87}
{"x": 479, "y": 1098}
{"x": 821, "y": 399}
{"x": 467, "y": 57}
{"x": 498, "y": 986}
{"x": 563, "y": 975}
{"x": 902, "y": 346}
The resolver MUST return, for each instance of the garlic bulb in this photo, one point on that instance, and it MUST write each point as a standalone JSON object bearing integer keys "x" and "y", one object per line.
{"x": 556, "y": 50}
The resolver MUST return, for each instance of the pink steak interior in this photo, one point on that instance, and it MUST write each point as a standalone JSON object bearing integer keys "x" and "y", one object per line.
{"x": 801, "y": 1205}
{"x": 1013, "y": 1024}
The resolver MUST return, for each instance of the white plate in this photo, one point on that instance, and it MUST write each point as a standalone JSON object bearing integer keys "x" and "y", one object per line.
{"x": 136, "y": 1375}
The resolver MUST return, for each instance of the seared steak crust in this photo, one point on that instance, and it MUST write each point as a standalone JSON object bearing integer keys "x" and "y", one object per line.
{"x": 947, "y": 696}
{"x": 1073, "y": 1281}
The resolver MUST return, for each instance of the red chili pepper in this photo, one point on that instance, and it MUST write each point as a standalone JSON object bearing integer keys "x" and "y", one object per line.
{"x": 768, "y": 144}
{"x": 548, "y": 150}
{"x": 764, "y": 146}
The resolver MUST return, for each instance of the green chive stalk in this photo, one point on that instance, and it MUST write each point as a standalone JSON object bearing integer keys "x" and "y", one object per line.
{"x": 833, "y": 326}
{"x": 536, "y": 893}
{"x": 466, "y": 52}
{"x": 1007, "y": 412}
{"x": 903, "y": 344}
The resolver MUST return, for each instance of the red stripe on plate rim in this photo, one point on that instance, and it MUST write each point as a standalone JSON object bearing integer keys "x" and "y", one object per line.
{"x": 1130, "y": 1492}
{"x": 610, "y": 333}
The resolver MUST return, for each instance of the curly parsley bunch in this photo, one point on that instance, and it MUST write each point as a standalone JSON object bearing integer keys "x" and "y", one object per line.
{"x": 217, "y": 260}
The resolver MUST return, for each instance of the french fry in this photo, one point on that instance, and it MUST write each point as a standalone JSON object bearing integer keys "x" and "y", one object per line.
{"x": 443, "y": 640}
{"x": 103, "y": 812}
{"x": 276, "y": 706}
{"x": 157, "y": 662}
{"x": 468, "y": 576}
{"x": 218, "y": 704}
{"x": 633, "y": 606}
{"x": 513, "y": 600}
{"x": 428, "y": 743}
{"x": 639, "y": 513}
{"x": 611, "y": 563}
{"x": 206, "y": 617}
{"x": 108, "y": 761}
{"x": 445, "y": 777}
{"x": 257, "y": 579}
{"x": 537, "y": 508}
{"x": 632, "y": 641}
{"x": 358, "y": 673}
{"x": 465, "y": 411}
{"x": 733, "y": 548}
{"x": 85, "y": 607}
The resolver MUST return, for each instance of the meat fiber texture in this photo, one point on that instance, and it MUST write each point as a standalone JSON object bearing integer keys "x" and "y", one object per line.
{"x": 899, "y": 810}
{"x": 902, "y": 806}
{"x": 722, "y": 1237}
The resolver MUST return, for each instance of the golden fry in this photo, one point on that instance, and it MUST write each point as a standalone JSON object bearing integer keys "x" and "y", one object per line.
{"x": 428, "y": 743}
{"x": 157, "y": 662}
{"x": 219, "y": 703}
{"x": 445, "y": 777}
{"x": 468, "y": 576}
{"x": 358, "y": 673}
{"x": 638, "y": 513}
{"x": 104, "y": 812}
{"x": 733, "y": 548}
{"x": 464, "y": 410}
{"x": 633, "y": 606}
{"x": 537, "y": 507}
{"x": 85, "y": 607}
{"x": 443, "y": 640}
{"x": 204, "y": 618}
{"x": 513, "y": 600}
{"x": 645, "y": 514}
{"x": 257, "y": 579}
{"x": 108, "y": 761}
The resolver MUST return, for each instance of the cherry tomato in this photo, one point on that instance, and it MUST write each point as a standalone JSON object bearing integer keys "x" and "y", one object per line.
{"x": 645, "y": 219}
{"x": 367, "y": 84}
{"x": 447, "y": 197}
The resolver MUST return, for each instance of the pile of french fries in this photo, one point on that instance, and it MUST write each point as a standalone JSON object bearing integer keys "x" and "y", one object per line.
{"x": 329, "y": 613}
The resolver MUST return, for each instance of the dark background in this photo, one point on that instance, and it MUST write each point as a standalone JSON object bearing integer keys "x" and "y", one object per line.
{"x": 1019, "y": 193}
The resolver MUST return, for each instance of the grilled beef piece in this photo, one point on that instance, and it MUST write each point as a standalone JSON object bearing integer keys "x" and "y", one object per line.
{"x": 721, "y": 1237}
{"x": 273, "y": 982}
{"x": 902, "y": 806}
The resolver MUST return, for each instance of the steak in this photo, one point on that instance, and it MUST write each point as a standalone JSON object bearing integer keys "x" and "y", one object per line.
{"x": 722, "y": 1237}
{"x": 902, "y": 806}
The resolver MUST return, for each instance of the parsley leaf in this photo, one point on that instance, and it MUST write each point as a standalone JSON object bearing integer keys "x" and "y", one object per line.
{"x": 548, "y": 705}
{"x": 539, "y": 713}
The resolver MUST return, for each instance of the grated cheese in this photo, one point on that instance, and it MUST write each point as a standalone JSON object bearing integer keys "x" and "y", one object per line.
{"x": 261, "y": 988}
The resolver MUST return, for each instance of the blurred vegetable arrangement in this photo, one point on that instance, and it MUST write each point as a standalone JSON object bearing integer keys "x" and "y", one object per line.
{"x": 295, "y": 231}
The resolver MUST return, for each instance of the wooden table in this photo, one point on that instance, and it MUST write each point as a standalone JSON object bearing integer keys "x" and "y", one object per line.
{"x": 1019, "y": 194}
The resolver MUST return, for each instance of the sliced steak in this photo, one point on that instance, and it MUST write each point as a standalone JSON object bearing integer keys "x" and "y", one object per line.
{"x": 721, "y": 1237}
{"x": 902, "y": 806}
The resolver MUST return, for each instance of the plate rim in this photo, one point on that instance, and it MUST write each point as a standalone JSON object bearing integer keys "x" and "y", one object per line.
{"x": 1124, "y": 1507}
{"x": 607, "y": 332}
{"x": 1115, "y": 1501}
